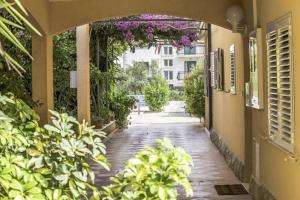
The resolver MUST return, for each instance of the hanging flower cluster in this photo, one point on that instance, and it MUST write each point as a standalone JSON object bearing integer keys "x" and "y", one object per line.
{"x": 152, "y": 29}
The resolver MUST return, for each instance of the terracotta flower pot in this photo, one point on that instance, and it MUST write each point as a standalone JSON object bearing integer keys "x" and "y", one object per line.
{"x": 98, "y": 124}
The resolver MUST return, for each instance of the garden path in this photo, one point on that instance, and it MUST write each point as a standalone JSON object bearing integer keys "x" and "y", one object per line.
{"x": 209, "y": 166}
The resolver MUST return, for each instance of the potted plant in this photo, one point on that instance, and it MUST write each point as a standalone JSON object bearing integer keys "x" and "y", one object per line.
{"x": 97, "y": 122}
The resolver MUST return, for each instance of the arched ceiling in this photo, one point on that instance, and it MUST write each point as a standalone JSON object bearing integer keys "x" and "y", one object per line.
{"x": 55, "y": 16}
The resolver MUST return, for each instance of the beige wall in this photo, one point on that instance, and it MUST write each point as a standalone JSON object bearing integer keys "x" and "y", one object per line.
{"x": 228, "y": 109}
{"x": 280, "y": 177}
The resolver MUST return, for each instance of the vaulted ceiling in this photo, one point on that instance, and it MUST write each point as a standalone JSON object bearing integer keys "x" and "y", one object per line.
{"x": 54, "y": 16}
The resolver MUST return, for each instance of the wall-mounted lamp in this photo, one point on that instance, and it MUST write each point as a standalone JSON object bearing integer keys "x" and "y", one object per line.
{"x": 234, "y": 15}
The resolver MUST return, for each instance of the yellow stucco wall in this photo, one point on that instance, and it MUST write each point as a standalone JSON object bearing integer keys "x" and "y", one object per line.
{"x": 280, "y": 177}
{"x": 228, "y": 109}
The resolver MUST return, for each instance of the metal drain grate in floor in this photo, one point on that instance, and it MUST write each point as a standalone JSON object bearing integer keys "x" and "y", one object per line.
{"x": 237, "y": 189}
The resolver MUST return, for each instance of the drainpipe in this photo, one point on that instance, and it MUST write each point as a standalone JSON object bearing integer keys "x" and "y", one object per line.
{"x": 210, "y": 96}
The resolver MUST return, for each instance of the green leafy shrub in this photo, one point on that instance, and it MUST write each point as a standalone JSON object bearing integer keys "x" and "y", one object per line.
{"x": 194, "y": 93}
{"x": 19, "y": 179}
{"x": 177, "y": 95}
{"x": 53, "y": 162}
{"x": 134, "y": 78}
{"x": 157, "y": 93}
{"x": 152, "y": 174}
{"x": 45, "y": 163}
{"x": 121, "y": 106}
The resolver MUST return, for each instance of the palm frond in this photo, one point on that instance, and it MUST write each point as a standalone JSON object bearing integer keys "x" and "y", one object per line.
{"x": 16, "y": 12}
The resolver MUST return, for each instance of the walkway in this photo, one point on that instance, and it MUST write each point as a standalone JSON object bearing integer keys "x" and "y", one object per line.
{"x": 210, "y": 168}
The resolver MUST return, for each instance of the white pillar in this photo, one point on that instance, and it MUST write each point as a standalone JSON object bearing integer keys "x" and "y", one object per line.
{"x": 83, "y": 73}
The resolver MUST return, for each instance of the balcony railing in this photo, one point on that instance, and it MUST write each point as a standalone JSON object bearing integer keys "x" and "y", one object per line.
{"x": 182, "y": 75}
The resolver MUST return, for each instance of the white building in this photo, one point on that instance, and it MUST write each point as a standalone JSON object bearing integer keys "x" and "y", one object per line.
{"x": 174, "y": 63}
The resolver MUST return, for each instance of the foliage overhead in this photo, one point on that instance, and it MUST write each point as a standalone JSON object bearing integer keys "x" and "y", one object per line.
{"x": 152, "y": 174}
{"x": 157, "y": 93}
{"x": 9, "y": 11}
{"x": 194, "y": 92}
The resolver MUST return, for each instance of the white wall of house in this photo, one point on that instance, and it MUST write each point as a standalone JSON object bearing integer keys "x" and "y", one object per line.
{"x": 174, "y": 63}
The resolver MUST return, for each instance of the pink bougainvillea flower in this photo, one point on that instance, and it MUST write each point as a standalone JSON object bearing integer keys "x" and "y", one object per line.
{"x": 129, "y": 37}
{"x": 185, "y": 40}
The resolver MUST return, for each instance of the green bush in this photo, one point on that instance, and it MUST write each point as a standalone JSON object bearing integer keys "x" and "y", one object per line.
{"x": 152, "y": 174}
{"x": 45, "y": 163}
{"x": 176, "y": 95}
{"x": 121, "y": 106}
{"x": 157, "y": 93}
{"x": 194, "y": 93}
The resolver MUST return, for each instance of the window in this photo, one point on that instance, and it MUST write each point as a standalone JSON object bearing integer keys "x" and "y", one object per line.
{"x": 189, "y": 66}
{"x": 142, "y": 63}
{"x": 232, "y": 70}
{"x": 189, "y": 50}
{"x": 168, "y": 50}
{"x": 280, "y": 85}
{"x": 180, "y": 75}
{"x": 256, "y": 70}
{"x": 168, "y": 63}
{"x": 212, "y": 69}
{"x": 168, "y": 75}
{"x": 217, "y": 69}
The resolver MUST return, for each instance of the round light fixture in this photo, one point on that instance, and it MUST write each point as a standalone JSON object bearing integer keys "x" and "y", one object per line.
{"x": 234, "y": 16}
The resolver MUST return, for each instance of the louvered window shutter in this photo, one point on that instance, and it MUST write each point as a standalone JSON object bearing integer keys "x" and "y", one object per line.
{"x": 220, "y": 67}
{"x": 273, "y": 91}
{"x": 232, "y": 70}
{"x": 212, "y": 69}
{"x": 280, "y": 72}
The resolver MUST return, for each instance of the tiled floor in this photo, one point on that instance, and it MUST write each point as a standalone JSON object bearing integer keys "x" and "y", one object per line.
{"x": 209, "y": 166}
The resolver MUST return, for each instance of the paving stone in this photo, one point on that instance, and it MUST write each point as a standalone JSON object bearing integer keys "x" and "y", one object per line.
{"x": 209, "y": 168}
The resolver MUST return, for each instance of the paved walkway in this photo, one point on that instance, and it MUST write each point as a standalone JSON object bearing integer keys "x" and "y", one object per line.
{"x": 209, "y": 166}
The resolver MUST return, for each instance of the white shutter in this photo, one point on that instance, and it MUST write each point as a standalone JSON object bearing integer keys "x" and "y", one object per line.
{"x": 273, "y": 90}
{"x": 232, "y": 70}
{"x": 212, "y": 69}
{"x": 280, "y": 71}
{"x": 219, "y": 65}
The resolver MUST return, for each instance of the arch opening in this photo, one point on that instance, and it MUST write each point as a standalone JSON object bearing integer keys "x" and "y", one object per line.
{"x": 63, "y": 15}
